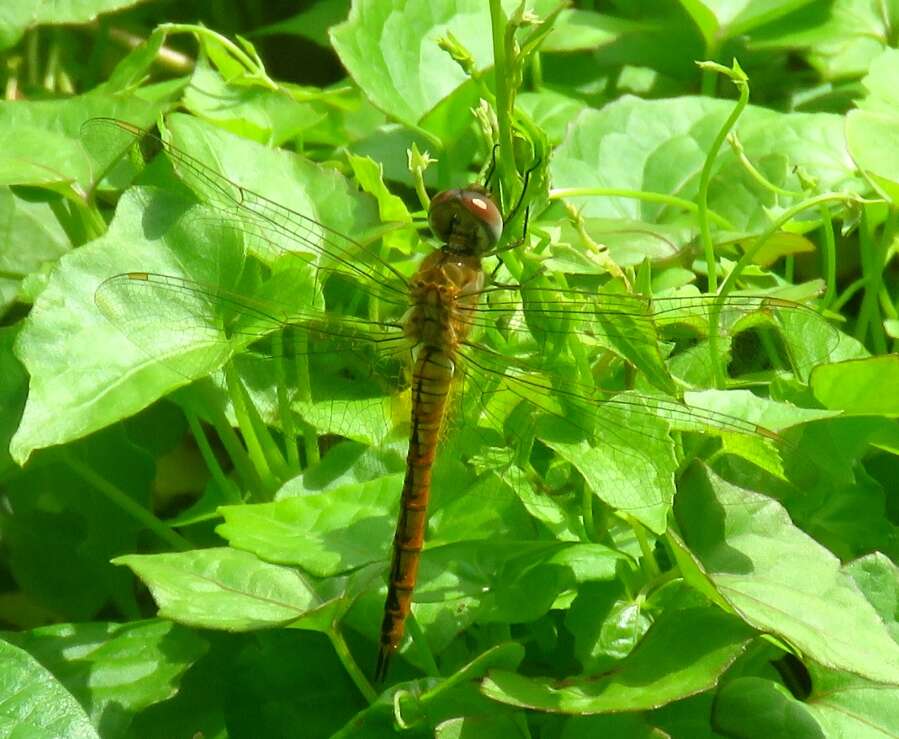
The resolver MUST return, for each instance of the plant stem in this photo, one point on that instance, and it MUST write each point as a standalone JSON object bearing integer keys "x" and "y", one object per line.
{"x": 228, "y": 488}
{"x": 284, "y": 410}
{"x": 245, "y": 424}
{"x": 122, "y": 500}
{"x": 421, "y": 644}
{"x": 304, "y": 394}
{"x": 506, "y": 161}
{"x": 587, "y": 512}
{"x": 649, "y": 197}
{"x": 737, "y": 147}
{"x": 828, "y": 256}
{"x": 252, "y": 66}
{"x": 229, "y": 439}
{"x": 775, "y": 226}
{"x": 650, "y": 566}
{"x": 848, "y": 294}
{"x": 349, "y": 664}
{"x": 873, "y": 253}
{"x": 742, "y": 83}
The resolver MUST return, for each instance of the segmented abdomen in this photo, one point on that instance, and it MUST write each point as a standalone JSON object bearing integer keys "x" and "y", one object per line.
{"x": 432, "y": 376}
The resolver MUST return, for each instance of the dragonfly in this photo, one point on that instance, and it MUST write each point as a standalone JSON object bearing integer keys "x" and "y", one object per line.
{"x": 455, "y": 341}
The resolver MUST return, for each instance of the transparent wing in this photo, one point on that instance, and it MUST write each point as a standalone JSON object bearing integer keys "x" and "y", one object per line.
{"x": 193, "y": 328}
{"x": 620, "y": 441}
{"x": 269, "y": 229}
{"x": 630, "y": 324}
{"x": 633, "y": 326}
{"x": 344, "y": 374}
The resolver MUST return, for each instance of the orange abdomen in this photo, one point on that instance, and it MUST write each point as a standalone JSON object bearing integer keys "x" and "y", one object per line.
{"x": 431, "y": 384}
{"x": 443, "y": 291}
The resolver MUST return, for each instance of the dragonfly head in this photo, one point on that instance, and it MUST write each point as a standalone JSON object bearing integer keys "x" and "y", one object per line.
{"x": 466, "y": 220}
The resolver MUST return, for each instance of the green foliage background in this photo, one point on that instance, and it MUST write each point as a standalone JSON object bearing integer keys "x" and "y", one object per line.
{"x": 161, "y": 578}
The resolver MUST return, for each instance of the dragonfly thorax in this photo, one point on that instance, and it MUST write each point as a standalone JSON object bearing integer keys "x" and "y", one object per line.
{"x": 444, "y": 294}
{"x": 466, "y": 220}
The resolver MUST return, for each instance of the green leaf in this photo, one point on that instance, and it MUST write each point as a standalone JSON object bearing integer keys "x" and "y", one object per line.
{"x": 878, "y": 579}
{"x": 350, "y": 525}
{"x": 492, "y": 506}
{"x": 659, "y": 146}
{"x": 273, "y": 693}
{"x": 370, "y": 176}
{"x": 223, "y": 589}
{"x": 704, "y": 18}
{"x": 45, "y": 136}
{"x": 771, "y": 414}
{"x": 391, "y": 51}
{"x": 628, "y": 243}
{"x": 550, "y": 110}
{"x": 634, "y": 473}
{"x": 689, "y": 717}
{"x": 86, "y": 373}
{"x": 577, "y": 29}
{"x": 779, "y": 579}
{"x": 862, "y": 386}
{"x": 325, "y": 533}
{"x": 723, "y": 19}
{"x": 606, "y": 624}
{"x": 31, "y": 223}
{"x": 205, "y": 691}
{"x": 514, "y": 582}
{"x": 630, "y": 725}
{"x": 115, "y": 669}
{"x": 256, "y": 112}
{"x": 874, "y": 144}
{"x": 20, "y": 15}
{"x": 57, "y": 514}
{"x": 870, "y": 131}
{"x": 312, "y": 23}
{"x": 34, "y": 703}
{"x": 836, "y": 502}
{"x": 684, "y": 653}
{"x": 317, "y": 192}
{"x": 134, "y": 68}
{"x": 501, "y": 581}
{"x": 752, "y": 706}
{"x": 839, "y": 39}
{"x": 13, "y": 392}
{"x": 457, "y": 694}
{"x": 880, "y": 84}
{"x": 847, "y": 705}
{"x": 780, "y": 245}
{"x": 488, "y": 727}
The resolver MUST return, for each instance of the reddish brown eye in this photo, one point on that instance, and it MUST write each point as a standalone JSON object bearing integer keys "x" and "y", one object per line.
{"x": 466, "y": 220}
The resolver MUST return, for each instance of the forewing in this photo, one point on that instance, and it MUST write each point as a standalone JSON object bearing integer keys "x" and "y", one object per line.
{"x": 271, "y": 231}
{"x": 544, "y": 394}
{"x": 619, "y": 442}
{"x": 546, "y": 322}
{"x": 191, "y": 329}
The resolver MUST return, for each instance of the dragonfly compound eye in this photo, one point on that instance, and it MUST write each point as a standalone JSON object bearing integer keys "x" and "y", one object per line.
{"x": 467, "y": 221}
